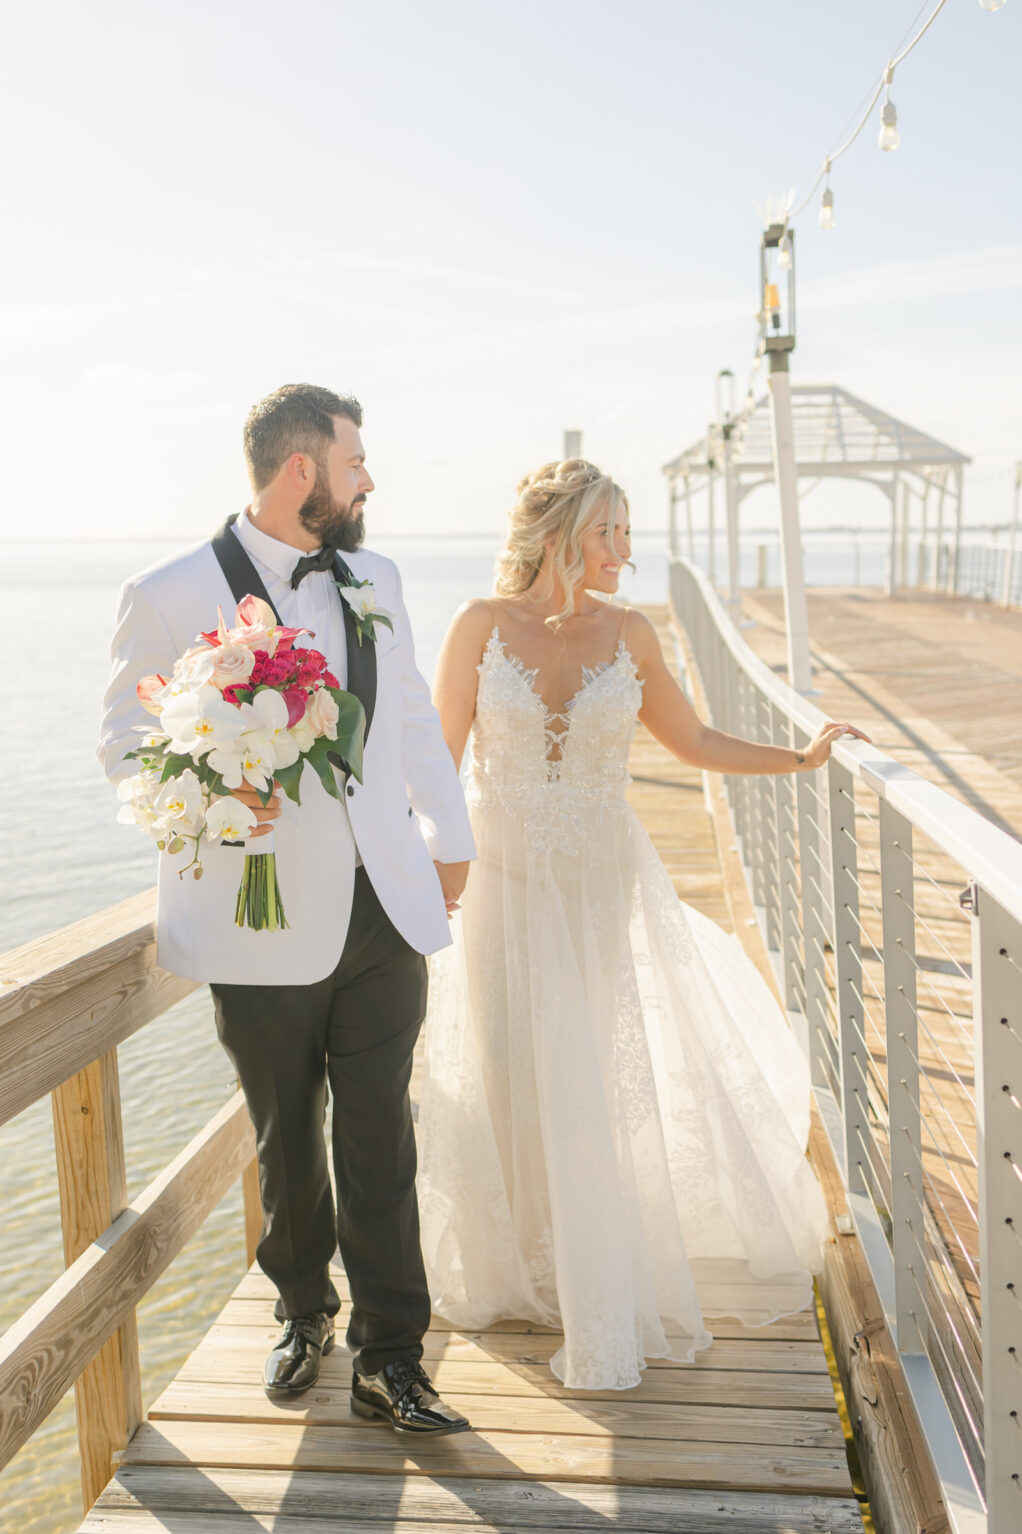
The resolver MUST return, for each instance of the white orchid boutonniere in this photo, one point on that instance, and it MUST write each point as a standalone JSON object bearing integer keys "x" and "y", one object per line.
{"x": 361, "y": 598}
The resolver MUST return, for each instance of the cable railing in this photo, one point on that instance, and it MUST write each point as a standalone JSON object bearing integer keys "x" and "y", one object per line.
{"x": 893, "y": 915}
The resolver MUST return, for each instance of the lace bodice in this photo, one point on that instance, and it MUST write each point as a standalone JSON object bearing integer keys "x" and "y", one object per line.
{"x": 552, "y": 769}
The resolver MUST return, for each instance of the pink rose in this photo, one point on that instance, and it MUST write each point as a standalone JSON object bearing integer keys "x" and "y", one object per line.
{"x": 321, "y": 712}
{"x": 230, "y": 664}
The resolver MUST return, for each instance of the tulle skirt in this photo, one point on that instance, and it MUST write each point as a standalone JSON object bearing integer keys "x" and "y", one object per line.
{"x": 615, "y": 1111}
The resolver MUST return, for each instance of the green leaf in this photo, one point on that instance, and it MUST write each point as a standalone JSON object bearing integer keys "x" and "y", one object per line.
{"x": 351, "y": 727}
{"x": 318, "y": 760}
{"x": 382, "y": 618}
{"x": 175, "y": 765}
{"x": 289, "y": 779}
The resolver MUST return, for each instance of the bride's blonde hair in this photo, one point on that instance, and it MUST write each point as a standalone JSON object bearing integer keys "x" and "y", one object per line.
{"x": 557, "y": 503}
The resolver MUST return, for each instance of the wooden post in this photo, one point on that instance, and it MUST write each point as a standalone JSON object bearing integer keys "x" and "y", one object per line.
{"x": 997, "y": 1016}
{"x": 924, "y": 520}
{"x": 93, "y": 1192}
{"x": 690, "y": 536}
{"x": 734, "y": 583}
{"x": 908, "y": 1231}
{"x": 253, "y": 1209}
{"x": 904, "y": 520}
{"x": 790, "y": 944}
{"x": 814, "y": 918}
{"x": 892, "y": 549}
{"x": 848, "y": 967}
{"x": 796, "y": 610}
{"x": 956, "y": 554}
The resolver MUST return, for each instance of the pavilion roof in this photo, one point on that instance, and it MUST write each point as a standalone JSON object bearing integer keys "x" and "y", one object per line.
{"x": 835, "y": 433}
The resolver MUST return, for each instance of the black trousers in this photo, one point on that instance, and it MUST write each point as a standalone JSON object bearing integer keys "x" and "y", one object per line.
{"x": 355, "y": 1031}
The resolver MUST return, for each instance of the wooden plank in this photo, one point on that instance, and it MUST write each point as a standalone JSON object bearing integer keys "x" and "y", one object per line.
{"x": 520, "y": 1456}
{"x": 250, "y": 1312}
{"x": 208, "y": 1401}
{"x": 376, "y": 1503}
{"x": 223, "y": 1343}
{"x": 737, "y": 1388}
{"x": 48, "y": 966}
{"x": 251, "y": 1304}
{"x": 92, "y": 1178}
{"x": 73, "y": 996}
{"x": 45, "y": 1350}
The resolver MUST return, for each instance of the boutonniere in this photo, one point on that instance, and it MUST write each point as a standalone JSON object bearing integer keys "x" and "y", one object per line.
{"x": 361, "y": 598}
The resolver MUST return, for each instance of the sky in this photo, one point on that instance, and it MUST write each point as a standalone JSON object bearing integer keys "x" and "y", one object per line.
{"x": 491, "y": 222}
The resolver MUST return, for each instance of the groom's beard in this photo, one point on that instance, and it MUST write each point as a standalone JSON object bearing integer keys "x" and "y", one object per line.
{"x": 342, "y": 527}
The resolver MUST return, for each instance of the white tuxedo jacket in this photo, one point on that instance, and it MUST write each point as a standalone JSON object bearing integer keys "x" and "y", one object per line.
{"x": 409, "y": 809}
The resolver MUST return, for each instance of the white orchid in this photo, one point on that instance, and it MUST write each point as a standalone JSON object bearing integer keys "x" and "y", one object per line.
{"x": 302, "y": 733}
{"x": 180, "y": 805}
{"x": 361, "y": 598}
{"x": 250, "y": 760}
{"x": 362, "y": 601}
{"x": 267, "y": 716}
{"x": 229, "y": 820}
{"x": 138, "y": 801}
{"x": 197, "y": 720}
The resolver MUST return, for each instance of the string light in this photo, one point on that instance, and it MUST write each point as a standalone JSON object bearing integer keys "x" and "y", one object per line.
{"x": 991, "y": 5}
{"x": 889, "y": 117}
{"x": 890, "y": 138}
{"x": 784, "y": 256}
{"x": 827, "y": 219}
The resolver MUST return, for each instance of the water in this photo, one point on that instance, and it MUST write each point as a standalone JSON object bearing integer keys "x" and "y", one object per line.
{"x": 64, "y": 857}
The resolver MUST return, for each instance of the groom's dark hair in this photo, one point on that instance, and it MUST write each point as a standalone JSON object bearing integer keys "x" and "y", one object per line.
{"x": 297, "y": 418}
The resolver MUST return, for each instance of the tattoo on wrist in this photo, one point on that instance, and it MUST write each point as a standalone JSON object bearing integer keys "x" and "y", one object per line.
{"x": 800, "y": 757}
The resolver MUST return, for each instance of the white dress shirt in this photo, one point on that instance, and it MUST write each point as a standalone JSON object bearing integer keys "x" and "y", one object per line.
{"x": 315, "y": 605}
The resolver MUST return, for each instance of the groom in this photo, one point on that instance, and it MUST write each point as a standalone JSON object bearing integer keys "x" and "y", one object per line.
{"x": 336, "y": 1000}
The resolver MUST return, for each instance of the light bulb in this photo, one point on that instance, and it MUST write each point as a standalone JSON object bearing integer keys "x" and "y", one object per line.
{"x": 827, "y": 220}
{"x": 991, "y": 5}
{"x": 890, "y": 138}
{"x": 784, "y": 256}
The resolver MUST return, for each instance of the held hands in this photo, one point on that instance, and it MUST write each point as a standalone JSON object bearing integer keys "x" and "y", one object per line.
{"x": 247, "y": 795}
{"x": 453, "y": 878}
{"x": 818, "y": 749}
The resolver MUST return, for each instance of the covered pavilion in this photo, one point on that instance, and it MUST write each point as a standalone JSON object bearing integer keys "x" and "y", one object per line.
{"x": 836, "y": 435}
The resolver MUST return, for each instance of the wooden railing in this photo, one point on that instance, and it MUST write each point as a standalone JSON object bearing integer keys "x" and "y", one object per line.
{"x": 66, "y": 1002}
{"x": 893, "y": 914}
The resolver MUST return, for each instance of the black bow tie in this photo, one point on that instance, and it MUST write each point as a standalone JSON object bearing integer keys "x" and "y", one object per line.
{"x": 309, "y": 562}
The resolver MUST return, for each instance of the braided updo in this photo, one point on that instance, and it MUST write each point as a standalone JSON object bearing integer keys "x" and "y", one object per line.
{"x": 558, "y": 503}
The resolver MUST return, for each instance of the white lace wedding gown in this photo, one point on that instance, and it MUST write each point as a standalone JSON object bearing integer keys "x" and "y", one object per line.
{"x": 615, "y": 1112}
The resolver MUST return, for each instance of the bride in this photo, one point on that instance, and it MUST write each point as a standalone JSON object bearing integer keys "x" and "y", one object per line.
{"x": 615, "y": 1112}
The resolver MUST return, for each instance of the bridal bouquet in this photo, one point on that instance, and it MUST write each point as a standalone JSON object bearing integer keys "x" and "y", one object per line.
{"x": 243, "y": 705}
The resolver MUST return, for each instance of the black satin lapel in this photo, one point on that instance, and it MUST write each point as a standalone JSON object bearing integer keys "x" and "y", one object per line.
{"x": 361, "y": 657}
{"x": 239, "y": 571}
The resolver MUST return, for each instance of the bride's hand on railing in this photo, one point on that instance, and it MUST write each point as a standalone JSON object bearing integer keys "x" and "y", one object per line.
{"x": 818, "y": 749}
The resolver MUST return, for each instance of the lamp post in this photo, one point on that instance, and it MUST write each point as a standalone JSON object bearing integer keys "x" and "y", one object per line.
{"x": 777, "y": 340}
{"x": 727, "y": 418}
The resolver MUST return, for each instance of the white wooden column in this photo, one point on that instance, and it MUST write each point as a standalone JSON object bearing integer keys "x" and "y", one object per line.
{"x": 796, "y": 610}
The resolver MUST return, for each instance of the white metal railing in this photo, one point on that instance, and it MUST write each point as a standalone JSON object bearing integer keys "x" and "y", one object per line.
{"x": 894, "y": 917}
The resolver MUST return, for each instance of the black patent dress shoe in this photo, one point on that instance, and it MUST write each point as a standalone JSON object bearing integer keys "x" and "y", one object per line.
{"x": 403, "y": 1395}
{"x": 294, "y": 1363}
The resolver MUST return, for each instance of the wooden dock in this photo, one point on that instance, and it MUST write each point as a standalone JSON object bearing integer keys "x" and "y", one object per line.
{"x": 746, "y": 1439}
